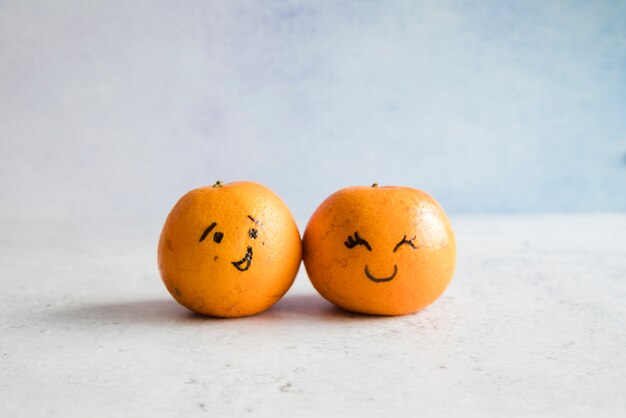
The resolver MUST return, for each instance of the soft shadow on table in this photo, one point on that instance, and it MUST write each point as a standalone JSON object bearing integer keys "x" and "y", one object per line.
{"x": 138, "y": 311}
{"x": 302, "y": 306}
{"x": 310, "y": 307}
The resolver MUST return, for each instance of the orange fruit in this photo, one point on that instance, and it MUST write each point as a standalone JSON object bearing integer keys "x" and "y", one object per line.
{"x": 229, "y": 250}
{"x": 380, "y": 250}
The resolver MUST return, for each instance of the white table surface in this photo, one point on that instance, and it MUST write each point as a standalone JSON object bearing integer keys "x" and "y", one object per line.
{"x": 533, "y": 324}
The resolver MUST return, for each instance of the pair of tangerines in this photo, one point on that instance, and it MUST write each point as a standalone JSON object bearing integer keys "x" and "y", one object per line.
{"x": 233, "y": 250}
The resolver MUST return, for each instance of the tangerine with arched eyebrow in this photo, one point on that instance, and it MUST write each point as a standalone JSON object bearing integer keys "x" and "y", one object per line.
{"x": 229, "y": 250}
{"x": 380, "y": 250}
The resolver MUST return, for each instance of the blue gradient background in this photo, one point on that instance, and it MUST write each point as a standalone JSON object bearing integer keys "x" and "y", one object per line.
{"x": 114, "y": 109}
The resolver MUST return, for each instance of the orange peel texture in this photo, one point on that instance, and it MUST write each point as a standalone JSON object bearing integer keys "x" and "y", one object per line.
{"x": 380, "y": 250}
{"x": 229, "y": 250}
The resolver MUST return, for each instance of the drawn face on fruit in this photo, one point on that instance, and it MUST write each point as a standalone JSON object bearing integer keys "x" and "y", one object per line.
{"x": 229, "y": 250}
{"x": 355, "y": 241}
{"x": 379, "y": 250}
{"x": 213, "y": 236}
{"x": 383, "y": 242}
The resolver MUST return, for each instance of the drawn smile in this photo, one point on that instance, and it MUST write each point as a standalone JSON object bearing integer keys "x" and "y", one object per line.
{"x": 381, "y": 279}
{"x": 246, "y": 261}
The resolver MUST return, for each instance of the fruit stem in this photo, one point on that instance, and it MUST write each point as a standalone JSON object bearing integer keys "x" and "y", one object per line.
{"x": 375, "y": 185}
{"x": 218, "y": 183}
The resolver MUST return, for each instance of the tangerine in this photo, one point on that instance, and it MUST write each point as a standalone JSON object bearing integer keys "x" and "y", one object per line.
{"x": 380, "y": 250}
{"x": 229, "y": 250}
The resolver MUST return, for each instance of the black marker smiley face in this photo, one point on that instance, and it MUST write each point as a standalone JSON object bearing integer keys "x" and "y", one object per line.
{"x": 246, "y": 261}
{"x": 379, "y": 250}
{"x": 355, "y": 240}
{"x": 229, "y": 250}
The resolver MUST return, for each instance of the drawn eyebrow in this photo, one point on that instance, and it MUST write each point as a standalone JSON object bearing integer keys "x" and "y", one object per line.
{"x": 405, "y": 241}
{"x": 357, "y": 240}
{"x": 207, "y": 231}
{"x": 254, "y": 220}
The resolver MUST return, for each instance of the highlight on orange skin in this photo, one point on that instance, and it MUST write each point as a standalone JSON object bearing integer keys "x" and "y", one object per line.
{"x": 229, "y": 250}
{"x": 380, "y": 250}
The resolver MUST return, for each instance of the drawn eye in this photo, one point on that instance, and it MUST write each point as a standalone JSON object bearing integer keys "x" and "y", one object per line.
{"x": 408, "y": 242}
{"x": 357, "y": 240}
{"x": 253, "y": 233}
{"x": 207, "y": 231}
{"x": 217, "y": 237}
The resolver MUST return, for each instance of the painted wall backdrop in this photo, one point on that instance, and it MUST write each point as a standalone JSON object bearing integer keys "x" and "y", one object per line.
{"x": 113, "y": 109}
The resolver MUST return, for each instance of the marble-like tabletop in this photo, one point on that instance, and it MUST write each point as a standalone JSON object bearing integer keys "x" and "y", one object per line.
{"x": 533, "y": 324}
